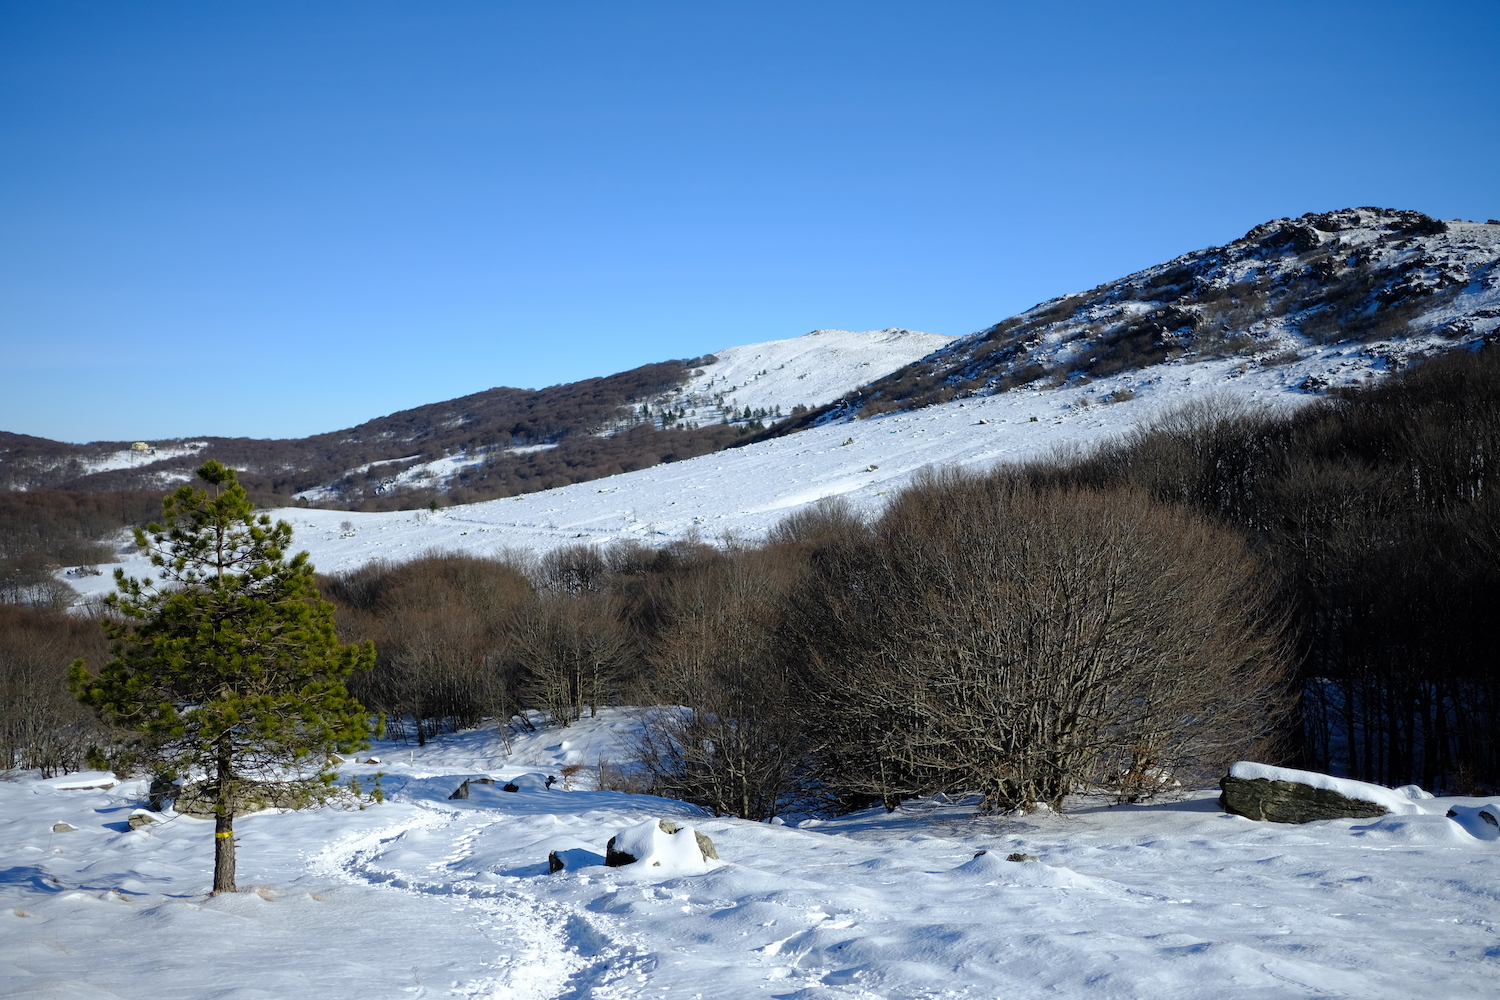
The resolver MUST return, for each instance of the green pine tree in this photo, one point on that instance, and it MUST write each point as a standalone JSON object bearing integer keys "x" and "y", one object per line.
{"x": 228, "y": 663}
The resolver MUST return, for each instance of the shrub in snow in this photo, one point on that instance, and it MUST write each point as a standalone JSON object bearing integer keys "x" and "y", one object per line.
{"x": 996, "y": 634}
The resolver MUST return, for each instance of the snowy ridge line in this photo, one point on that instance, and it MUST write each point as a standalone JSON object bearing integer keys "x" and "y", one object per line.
{"x": 1362, "y": 274}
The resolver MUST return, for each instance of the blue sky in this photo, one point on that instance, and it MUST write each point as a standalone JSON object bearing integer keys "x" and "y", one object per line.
{"x": 273, "y": 219}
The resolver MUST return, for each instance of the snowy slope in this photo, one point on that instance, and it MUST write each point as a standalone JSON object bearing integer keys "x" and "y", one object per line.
{"x": 810, "y": 370}
{"x": 769, "y": 378}
{"x": 428, "y": 896}
{"x": 742, "y": 492}
{"x": 1361, "y": 274}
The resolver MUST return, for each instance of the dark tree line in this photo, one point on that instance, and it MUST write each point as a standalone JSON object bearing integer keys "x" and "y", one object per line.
{"x": 1377, "y": 515}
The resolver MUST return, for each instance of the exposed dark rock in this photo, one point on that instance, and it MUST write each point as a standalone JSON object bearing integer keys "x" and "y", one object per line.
{"x": 510, "y": 786}
{"x": 555, "y": 863}
{"x": 163, "y": 790}
{"x": 1290, "y": 801}
{"x": 1018, "y": 856}
{"x": 138, "y": 820}
{"x": 462, "y": 791}
{"x": 617, "y": 859}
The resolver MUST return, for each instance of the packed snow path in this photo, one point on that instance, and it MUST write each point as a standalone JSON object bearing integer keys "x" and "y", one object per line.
{"x": 426, "y": 896}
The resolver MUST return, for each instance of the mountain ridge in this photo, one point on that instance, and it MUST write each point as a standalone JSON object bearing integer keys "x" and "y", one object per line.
{"x": 1360, "y": 274}
{"x": 1398, "y": 281}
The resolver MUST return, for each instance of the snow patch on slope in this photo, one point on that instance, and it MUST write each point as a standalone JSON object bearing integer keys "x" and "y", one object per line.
{"x": 810, "y": 370}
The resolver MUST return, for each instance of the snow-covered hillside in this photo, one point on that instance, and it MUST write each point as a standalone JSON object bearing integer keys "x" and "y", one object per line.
{"x": 742, "y": 492}
{"x": 1359, "y": 274}
{"x": 427, "y": 896}
{"x": 768, "y": 379}
{"x": 810, "y": 370}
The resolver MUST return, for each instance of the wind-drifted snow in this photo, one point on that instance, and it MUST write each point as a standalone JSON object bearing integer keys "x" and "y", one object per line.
{"x": 428, "y": 896}
{"x": 740, "y": 493}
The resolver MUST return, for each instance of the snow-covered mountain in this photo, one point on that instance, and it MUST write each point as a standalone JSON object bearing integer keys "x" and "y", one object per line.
{"x": 739, "y": 493}
{"x": 743, "y": 386}
{"x": 1365, "y": 275}
{"x": 1274, "y": 319}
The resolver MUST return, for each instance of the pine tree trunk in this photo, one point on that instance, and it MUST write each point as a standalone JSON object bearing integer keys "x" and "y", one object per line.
{"x": 224, "y": 828}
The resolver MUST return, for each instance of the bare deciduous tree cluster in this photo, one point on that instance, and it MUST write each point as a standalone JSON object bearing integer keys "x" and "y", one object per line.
{"x": 1030, "y": 642}
{"x": 986, "y": 633}
{"x": 42, "y": 726}
{"x": 1122, "y": 620}
{"x": 1376, "y": 514}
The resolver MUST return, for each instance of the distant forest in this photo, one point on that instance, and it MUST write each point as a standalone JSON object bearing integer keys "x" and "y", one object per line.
{"x": 1314, "y": 589}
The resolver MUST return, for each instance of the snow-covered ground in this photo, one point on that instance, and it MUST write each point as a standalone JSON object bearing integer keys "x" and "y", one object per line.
{"x": 740, "y": 493}
{"x": 424, "y": 895}
{"x": 810, "y": 370}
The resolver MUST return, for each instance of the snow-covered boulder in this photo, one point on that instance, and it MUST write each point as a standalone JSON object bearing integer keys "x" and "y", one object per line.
{"x": 462, "y": 791}
{"x": 82, "y": 781}
{"x": 1481, "y": 822}
{"x": 660, "y": 844}
{"x": 529, "y": 783}
{"x": 1285, "y": 795}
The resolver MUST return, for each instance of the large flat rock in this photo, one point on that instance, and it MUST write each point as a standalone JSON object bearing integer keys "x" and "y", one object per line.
{"x": 1290, "y": 801}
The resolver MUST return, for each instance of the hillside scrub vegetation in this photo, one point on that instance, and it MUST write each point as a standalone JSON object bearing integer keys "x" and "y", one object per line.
{"x": 509, "y": 441}
{"x": 42, "y": 726}
{"x": 44, "y": 530}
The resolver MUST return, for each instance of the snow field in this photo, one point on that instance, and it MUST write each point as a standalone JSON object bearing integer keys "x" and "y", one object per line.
{"x": 740, "y": 493}
{"x": 428, "y": 896}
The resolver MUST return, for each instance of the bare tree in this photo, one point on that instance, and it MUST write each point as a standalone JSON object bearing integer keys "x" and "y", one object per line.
{"x": 1029, "y": 642}
{"x": 727, "y": 735}
{"x": 571, "y": 649}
